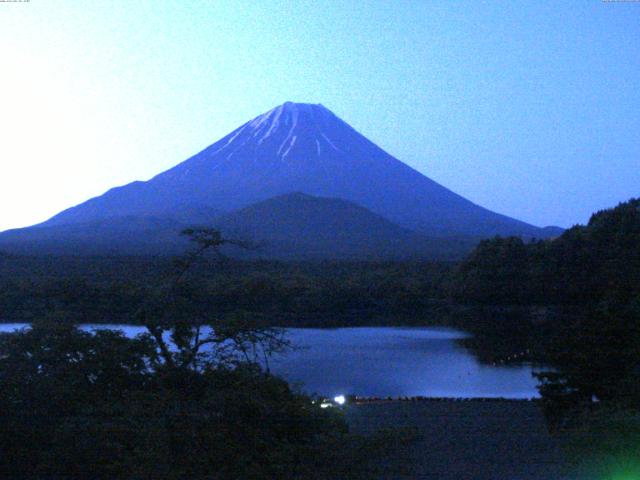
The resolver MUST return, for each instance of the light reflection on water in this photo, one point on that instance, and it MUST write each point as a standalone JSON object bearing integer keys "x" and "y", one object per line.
{"x": 386, "y": 361}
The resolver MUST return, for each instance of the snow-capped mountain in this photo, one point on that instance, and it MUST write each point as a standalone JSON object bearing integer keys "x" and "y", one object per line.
{"x": 297, "y": 148}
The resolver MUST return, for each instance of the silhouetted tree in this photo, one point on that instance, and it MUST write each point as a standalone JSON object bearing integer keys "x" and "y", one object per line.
{"x": 188, "y": 336}
{"x": 99, "y": 405}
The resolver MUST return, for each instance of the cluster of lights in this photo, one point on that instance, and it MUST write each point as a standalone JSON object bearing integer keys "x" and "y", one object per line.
{"x": 337, "y": 400}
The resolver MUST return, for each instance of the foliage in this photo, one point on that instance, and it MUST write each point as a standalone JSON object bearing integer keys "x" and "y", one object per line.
{"x": 593, "y": 272}
{"x": 493, "y": 272}
{"x": 78, "y": 404}
{"x": 586, "y": 264}
{"x": 188, "y": 399}
{"x": 179, "y": 327}
{"x": 112, "y": 289}
{"x": 595, "y": 356}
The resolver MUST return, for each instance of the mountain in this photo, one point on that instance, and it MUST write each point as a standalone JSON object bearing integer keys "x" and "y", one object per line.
{"x": 299, "y": 148}
{"x": 126, "y": 235}
{"x": 293, "y": 226}
{"x": 300, "y": 226}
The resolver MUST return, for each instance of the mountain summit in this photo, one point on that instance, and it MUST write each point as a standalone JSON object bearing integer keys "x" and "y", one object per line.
{"x": 298, "y": 147}
{"x": 335, "y": 172}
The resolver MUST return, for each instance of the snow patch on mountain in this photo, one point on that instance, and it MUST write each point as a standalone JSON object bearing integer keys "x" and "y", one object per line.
{"x": 305, "y": 148}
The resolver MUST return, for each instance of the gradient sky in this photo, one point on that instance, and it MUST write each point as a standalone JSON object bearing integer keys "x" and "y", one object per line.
{"x": 531, "y": 109}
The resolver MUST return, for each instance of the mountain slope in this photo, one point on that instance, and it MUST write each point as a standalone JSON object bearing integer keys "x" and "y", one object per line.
{"x": 292, "y": 226}
{"x": 304, "y": 227}
{"x": 126, "y": 235}
{"x": 300, "y": 148}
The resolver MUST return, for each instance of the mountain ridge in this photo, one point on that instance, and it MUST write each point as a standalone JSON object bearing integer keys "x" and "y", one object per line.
{"x": 301, "y": 154}
{"x": 293, "y": 226}
{"x": 301, "y": 226}
{"x": 304, "y": 148}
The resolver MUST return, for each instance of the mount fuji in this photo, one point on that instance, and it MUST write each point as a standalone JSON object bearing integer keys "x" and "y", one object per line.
{"x": 293, "y": 148}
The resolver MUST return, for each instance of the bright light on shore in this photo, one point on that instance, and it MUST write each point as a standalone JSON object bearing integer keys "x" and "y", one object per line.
{"x": 339, "y": 399}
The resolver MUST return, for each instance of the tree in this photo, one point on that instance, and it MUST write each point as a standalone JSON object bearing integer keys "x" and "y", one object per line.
{"x": 190, "y": 337}
{"x": 99, "y": 405}
{"x": 493, "y": 273}
{"x": 593, "y": 273}
{"x": 53, "y": 375}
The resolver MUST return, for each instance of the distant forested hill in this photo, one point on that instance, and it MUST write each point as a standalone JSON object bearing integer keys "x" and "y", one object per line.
{"x": 294, "y": 226}
{"x": 592, "y": 273}
{"x": 597, "y": 261}
{"x": 111, "y": 289}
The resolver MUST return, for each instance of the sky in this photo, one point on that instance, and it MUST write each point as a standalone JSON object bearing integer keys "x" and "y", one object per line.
{"x": 531, "y": 109}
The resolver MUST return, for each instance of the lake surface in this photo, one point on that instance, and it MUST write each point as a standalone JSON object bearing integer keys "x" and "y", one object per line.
{"x": 387, "y": 361}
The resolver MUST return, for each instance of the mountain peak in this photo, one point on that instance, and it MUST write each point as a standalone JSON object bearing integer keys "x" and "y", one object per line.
{"x": 301, "y": 106}
{"x": 294, "y": 108}
{"x": 290, "y": 128}
{"x": 304, "y": 111}
{"x": 300, "y": 147}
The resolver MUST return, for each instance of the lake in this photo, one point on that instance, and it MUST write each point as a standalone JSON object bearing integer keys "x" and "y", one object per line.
{"x": 387, "y": 361}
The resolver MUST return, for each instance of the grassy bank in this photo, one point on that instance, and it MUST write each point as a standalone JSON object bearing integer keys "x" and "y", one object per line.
{"x": 471, "y": 439}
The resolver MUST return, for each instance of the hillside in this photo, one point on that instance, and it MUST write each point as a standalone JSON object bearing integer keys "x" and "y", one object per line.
{"x": 381, "y": 207}
{"x": 294, "y": 226}
{"x": 300, "y": 148}
{"x": 305, "y": 227}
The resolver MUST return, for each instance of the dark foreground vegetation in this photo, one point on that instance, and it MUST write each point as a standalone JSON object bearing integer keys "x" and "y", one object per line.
{"x": 591, "y": 277}
{"x": 139, "y": 408}
{"x": 76, "y": 405}
{"x": 110, "y": 289}
{"x": 176, "y": 402}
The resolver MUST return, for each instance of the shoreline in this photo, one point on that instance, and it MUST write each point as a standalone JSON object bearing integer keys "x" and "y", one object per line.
{"x": 475, "y": 439}
{"x": 357, "y": 400}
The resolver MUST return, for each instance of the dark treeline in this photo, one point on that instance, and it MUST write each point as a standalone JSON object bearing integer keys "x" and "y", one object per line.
{"x": 591, "y": 277}
{"x": 586, "y": 264}
{"x": 573, "y": 302}
{"x": 179, "y": 401}
{"x": 79, "y": 405}
{"x": 108, "y": 290}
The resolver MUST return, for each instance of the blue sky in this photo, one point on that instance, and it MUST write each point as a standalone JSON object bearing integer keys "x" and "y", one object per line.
{"x": 531, "y": 109}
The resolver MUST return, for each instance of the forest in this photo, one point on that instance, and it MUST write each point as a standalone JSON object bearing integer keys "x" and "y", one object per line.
{"x": 591, "y": 346}
{"x": 573, "y": 301}
{"x": 174, "y": 402}
{"x": 109, "y": 290}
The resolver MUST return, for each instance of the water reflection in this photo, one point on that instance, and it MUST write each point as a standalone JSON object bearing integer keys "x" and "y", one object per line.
{"x": 397, "y": 362}
{"x": 387, "y": 361}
